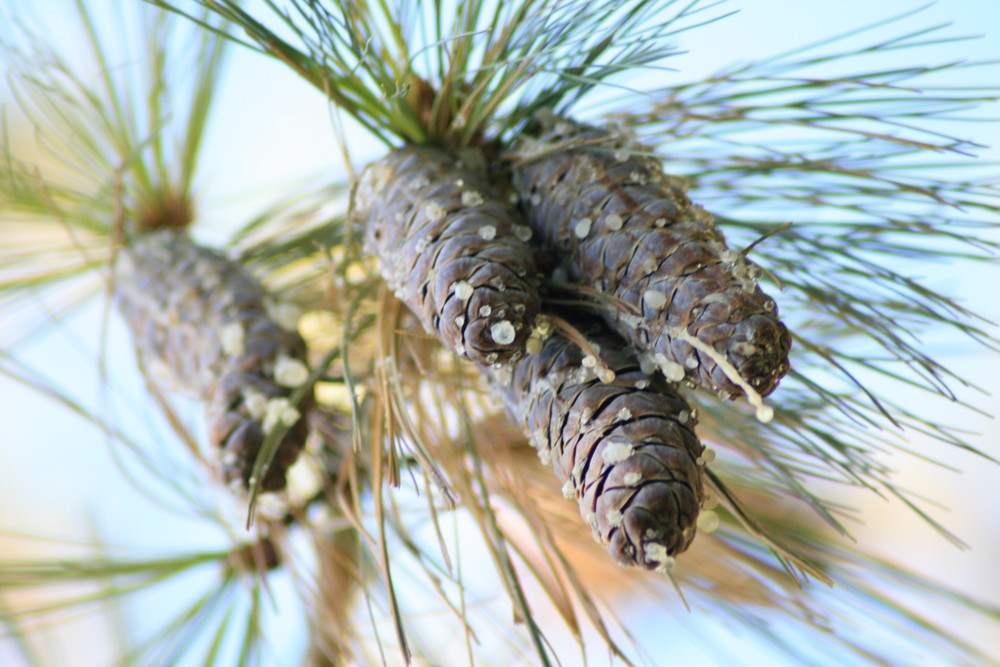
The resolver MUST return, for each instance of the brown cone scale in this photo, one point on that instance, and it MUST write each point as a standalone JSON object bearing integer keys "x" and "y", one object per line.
{"x": 626, "y": 228}
{"x": 624, "y": 449}
{"x": 204, "y": 325}
{"x": 452, "y": 250}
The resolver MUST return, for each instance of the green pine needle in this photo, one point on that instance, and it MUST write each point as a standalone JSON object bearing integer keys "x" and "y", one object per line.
{"x": 404, "y": 74}
{"x": 114, "y": 161}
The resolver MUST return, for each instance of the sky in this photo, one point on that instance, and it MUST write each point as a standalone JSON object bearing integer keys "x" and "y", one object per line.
{"x": 270, "y": 132}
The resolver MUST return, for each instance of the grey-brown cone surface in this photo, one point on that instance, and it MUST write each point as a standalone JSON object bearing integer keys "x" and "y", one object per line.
{"x": 629, "y": 230}
{"x": 203, "y": 325}
{"x": 624, "y": 449}
{"x": 451, "y": 250}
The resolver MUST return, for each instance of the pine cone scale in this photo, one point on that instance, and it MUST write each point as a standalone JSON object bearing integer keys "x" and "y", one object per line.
{"x": 628, "y": 229}
{"x": 448, "y": 247}
{"x": 201, "y": 324}
{"x": 624, "y": 449}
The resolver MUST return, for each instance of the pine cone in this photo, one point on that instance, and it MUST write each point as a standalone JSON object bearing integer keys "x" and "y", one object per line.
{"x": 625, "y": 449}
{"x": 629, "y": 230}
{"x": 452, "y": 251}
{"x": 202, "y": 324}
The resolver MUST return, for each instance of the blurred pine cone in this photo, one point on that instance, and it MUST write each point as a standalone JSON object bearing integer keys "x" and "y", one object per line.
{"x": 625, "y": 449}
{"x": 451, "y": 250}
{"x": 202, "y": 324}
{"x": 629, "y": 230}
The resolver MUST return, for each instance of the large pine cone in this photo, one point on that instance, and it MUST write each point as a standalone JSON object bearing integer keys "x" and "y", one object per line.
{"x": 204, "y": 325}
{"x": 625, "y": 449}
{"x": 452, "y": 251}
{"x": 629, "y": 230}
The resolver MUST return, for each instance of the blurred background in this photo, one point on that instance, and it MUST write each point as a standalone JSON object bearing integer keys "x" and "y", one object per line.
{"x": 60, "y": 480}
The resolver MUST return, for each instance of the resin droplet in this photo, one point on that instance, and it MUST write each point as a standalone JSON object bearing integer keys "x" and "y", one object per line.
{"x": 522, "y": 232}
{"x": 434, "y": 211}
{"x": 614, "y": 222}
{"x": 471, "y": 198}
{"x": 673, "y": 371}
{"x": 654, "y": 299}
{"x": 502, "y": 332}
{"x": 231, "y": 338}
{"x": 616, "y": 451}
{"x": 463, "y": 290}
{"x": 533, "y": 345}
{"x": 706, "y": 457}
{"x": 279, "y": 411}
{"x": 256, "y": 404}
{"x": 290, "y": 372}
{"x": 708, "y": 522}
